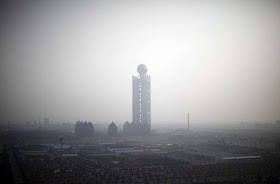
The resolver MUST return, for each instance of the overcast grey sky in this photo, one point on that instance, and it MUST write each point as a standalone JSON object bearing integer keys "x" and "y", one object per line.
{"x": 73, "y": 60}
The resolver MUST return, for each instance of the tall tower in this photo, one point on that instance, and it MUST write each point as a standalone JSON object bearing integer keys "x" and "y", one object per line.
{"x": 141, "y": 96}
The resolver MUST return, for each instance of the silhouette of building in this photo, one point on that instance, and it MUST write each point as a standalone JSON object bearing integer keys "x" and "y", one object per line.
{"x": 84, "y": 129}
{"x": 136, "y": 129}
{"x": 126, "y": 128}
{"x": 141, "y": 94}
{"x": 141, "y": 104}
{"x": 112, "y": 129}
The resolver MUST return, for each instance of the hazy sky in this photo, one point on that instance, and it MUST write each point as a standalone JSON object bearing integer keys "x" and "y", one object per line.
{"x": 74, "y": 60}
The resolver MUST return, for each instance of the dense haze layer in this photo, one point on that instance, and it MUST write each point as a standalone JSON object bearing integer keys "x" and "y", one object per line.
{"x": 74, "y": 60}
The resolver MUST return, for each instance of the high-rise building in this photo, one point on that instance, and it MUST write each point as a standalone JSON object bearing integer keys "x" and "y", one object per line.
{"x": 141, "y": 104}
{"x": 141, "y": 96}
{"x": 84, "y": 129}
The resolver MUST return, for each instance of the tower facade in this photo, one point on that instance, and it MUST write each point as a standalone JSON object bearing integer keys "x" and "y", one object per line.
{"x": 141, "y": 96}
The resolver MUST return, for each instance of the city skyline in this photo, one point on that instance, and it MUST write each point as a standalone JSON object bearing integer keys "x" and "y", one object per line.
{"x": 68, "y": 61}
{"x": 139, "y": 91}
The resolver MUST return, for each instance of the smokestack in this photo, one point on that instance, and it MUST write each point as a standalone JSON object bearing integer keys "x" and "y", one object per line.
{"x": 188, "y": 121}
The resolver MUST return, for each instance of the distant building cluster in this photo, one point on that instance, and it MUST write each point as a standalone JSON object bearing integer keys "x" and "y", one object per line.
{"x": 141, "y": 110}
{"x": 84, "y": 129}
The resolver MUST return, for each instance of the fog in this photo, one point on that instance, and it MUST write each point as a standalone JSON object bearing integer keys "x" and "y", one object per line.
{"x": 74, "y": 60}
